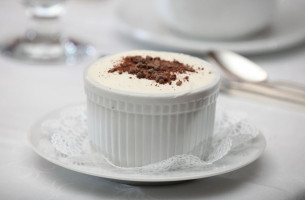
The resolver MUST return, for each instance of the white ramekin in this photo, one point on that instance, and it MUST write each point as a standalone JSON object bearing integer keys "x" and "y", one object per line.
{"x": 133, "y": 129}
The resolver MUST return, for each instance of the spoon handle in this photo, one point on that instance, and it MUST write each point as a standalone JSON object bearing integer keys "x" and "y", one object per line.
{"x": 271, "y": 92}
{"x": 289, "y": 86}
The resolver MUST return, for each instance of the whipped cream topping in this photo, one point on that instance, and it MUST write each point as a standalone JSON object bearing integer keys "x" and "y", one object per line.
{"x": 99, "y": 73}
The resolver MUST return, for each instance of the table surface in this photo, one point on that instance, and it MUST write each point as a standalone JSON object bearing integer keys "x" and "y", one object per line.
{"x": 30, "y": 91}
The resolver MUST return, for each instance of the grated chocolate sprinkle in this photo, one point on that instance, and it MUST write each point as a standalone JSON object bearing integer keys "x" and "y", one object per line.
{"x": 179, "y": 83}
{"x": 152, "y": 68}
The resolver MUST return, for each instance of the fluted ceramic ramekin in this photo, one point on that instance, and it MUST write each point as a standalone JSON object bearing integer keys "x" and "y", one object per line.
{"x": 134, "y": 129}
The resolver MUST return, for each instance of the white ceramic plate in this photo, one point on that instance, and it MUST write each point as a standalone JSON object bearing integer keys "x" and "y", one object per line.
{"x": 234, "y": 160}
{"x": 139, "y": 20}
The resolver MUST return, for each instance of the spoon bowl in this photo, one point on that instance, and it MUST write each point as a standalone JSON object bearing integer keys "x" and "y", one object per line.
{"x": 238, "y": 67}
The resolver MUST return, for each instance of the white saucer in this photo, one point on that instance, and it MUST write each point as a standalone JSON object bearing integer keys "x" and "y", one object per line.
{"x": 234, "y": 160}
{"x": 142, "y": 23}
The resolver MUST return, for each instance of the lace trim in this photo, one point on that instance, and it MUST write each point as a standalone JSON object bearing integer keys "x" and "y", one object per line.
{"x": 66, "y": 137}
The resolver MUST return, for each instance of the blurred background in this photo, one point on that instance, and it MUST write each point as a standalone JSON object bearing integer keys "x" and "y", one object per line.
{"x": 47, "y": 37}
{"x": 248, "y": 27}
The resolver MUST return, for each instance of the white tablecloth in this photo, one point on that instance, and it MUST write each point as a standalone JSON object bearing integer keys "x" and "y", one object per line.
{"x": 29, "y": 91}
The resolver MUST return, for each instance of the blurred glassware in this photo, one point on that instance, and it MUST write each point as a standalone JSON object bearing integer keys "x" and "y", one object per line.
{"x": 43, "y": 41}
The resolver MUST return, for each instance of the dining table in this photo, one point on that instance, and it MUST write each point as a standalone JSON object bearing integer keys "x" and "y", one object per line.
{"x": 28, "y": 91}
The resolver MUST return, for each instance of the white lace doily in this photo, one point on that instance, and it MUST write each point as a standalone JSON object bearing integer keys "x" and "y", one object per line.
{"x": 66, "y": 138}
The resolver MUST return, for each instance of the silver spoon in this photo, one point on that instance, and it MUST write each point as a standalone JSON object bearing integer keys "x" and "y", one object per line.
{"x": 241, "y": 73}
{"x": 240, "y": 68}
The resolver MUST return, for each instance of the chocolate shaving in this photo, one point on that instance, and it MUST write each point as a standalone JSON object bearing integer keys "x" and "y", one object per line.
{"x": 161, "y": 71}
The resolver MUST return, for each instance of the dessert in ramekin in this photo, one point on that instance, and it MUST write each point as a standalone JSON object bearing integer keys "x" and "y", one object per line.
{"x": 146, "y": 106}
